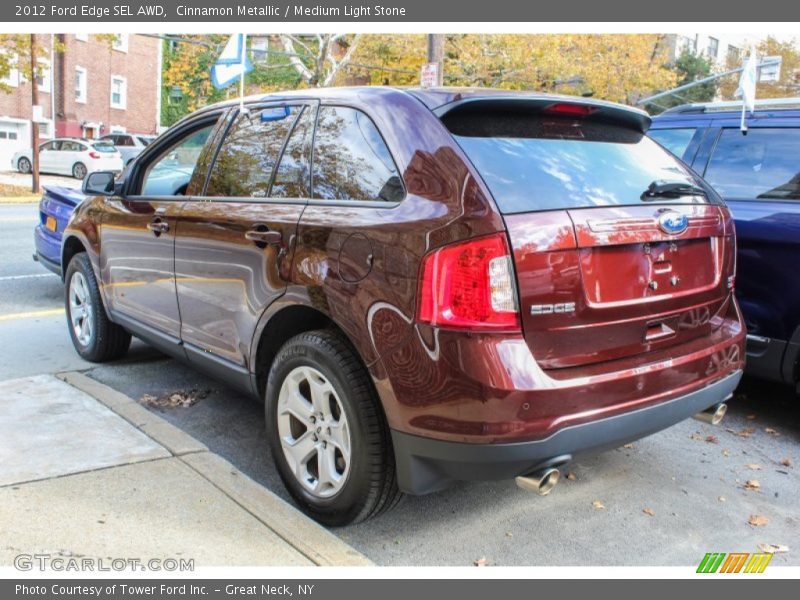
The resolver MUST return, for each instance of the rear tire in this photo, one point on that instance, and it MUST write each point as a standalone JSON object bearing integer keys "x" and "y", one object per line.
{"x": 327, "y": 432}
{"x": 94, "y": 336}
{"x": 24, "y": 166}
{"x": 79, "y": 171}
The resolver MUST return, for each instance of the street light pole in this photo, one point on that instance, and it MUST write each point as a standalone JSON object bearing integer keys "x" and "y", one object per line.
{"x": 436, "y": 55}
{"x": 34, "y": 123}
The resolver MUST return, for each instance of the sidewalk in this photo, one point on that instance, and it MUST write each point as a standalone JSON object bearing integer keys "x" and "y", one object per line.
{"x": 87, "y": 472}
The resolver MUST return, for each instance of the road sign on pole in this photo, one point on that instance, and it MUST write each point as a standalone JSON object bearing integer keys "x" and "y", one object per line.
{"x": 430, "y": 75}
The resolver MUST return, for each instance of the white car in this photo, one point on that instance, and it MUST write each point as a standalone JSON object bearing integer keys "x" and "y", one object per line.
{"x": 129, "y": 145}
{"x": 71, "y": 156}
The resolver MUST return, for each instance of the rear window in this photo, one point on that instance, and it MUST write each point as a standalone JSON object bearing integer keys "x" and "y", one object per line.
{"x": 536, "y": 162}
{"x": 104, "y": 147}
{"x": 674, "y": 140}
{"x": 763, "y": 164}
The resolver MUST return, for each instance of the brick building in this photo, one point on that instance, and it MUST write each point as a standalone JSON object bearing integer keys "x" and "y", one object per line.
{"x": 93, "y": 87}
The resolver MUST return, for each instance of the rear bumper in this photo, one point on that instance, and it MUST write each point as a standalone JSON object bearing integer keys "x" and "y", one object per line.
{"x": 48, "y": 249}
{"x": 426, "y": 465}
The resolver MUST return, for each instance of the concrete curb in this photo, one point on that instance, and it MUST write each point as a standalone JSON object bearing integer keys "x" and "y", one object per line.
{"x": 305, "y": 535}
{"x": 162, "y": 432}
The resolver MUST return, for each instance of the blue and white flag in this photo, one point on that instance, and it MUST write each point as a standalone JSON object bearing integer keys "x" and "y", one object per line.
{"x": 747, "y": 87}
{"x": 232, "y": 64}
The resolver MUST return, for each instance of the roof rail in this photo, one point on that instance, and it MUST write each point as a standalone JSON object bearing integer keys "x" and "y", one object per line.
{"x": 706, "y": 107}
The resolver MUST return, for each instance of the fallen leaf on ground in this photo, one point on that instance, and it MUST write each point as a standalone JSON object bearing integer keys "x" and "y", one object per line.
{"x": 509, "y": 534}
{"x": 752, "y": 484}
{"x": 722, "y": 499}
{"x": 758, "y": 520}
{"x": 598, "y": 505}
{"x": 571, "y": 476}
{"x": 178, "y": 399}
{"x": 772, "y": 431}
{"x": 628, "y": 446}
{"x": 753, "y": 467}
{"x": 726, "y": 452}
{"x": 481, "y": 562}
{"x": 696, "y": 437}
{"x": 649, "y": 512}
{"x": 746, "y": 432}
{"x": 786, "y": 462}
{"x": 773, "y": 548}
{"x": 712, "y": 439}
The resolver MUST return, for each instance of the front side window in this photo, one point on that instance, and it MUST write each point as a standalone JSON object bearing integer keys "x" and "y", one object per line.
{"x": 68, "y": 146}
{"x": 674, "y": 140}
{"x": 169, "y": 174}
{"x": 764, "y": 164}
{"x": 247, "y": 156}
{"x": 351, "y": 160}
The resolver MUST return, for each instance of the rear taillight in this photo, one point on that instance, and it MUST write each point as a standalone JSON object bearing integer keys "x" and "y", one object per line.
{"x": 94, "y": 154}
{"x": 729, "y": 232}
{"x": 470, "y": 285}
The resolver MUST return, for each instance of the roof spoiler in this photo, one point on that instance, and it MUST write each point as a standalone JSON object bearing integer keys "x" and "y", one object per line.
{"x": 594, "y": 110}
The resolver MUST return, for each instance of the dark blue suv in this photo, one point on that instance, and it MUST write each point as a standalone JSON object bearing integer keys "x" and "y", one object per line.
{"x": 758, "y": 175}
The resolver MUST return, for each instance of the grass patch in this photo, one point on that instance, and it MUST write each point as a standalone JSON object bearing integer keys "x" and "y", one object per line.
{"x": 17, "y": 194}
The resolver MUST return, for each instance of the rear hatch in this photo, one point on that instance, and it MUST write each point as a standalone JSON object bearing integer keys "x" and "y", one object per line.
{"x": 619, "y": 249}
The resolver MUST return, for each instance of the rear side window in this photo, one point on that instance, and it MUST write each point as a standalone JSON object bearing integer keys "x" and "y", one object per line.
{"x": 351, "y": 160}
{"x": 247, "y": 156}
{"x": 293, "y": 175}
{"x": 101, "y": 147}
{"x": 765, "y": 163}
{"x": 674, "y": 140}
{"x": 535, "y": 162}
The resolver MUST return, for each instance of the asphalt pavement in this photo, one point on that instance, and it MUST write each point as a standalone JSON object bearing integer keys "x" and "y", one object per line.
{"x": 667, "y": 500}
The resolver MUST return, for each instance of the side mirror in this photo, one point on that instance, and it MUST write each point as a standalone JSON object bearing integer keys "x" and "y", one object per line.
{"x": 100, "y": 183}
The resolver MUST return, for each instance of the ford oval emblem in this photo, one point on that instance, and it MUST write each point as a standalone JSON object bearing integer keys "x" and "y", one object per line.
{"x": 673, "y": 223}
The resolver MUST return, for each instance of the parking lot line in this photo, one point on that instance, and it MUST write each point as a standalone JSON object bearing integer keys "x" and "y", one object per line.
{"x": 32, "y": 314}
{"x": 29, "y": 276}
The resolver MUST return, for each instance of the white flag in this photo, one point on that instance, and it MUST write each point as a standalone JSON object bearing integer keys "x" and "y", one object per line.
{"x": 747, "y": 86}
{"x": 232, "y": 64}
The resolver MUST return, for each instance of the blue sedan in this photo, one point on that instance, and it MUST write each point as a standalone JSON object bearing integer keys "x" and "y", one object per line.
{"x": 55, "y": 209}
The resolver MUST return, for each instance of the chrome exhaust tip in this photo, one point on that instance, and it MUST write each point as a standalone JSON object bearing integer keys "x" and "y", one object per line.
{"x": 713, "y": 414}
{"x": 542, "y": 482}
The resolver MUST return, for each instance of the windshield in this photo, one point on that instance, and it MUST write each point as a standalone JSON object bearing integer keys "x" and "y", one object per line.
{"x": 542, "y": 163}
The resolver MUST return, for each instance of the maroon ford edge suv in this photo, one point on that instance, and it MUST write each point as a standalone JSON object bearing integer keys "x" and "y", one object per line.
{"x": 423, "y": 286}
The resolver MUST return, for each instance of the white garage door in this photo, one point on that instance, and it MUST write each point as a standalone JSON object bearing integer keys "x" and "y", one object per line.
{"x": 13, "y": 138}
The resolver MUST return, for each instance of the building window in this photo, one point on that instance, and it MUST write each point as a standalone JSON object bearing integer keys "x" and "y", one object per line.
{"x": 734, "y": 55}
{"x": 43, "y": 76}
{"x": 119, "y": 92}
{"x": 713, "y": 47}
{"x": 82, "y": 37}
{"x": 120, "y": 42}
{"x": 12, "y": 78}
{"x": 80, "y": 85}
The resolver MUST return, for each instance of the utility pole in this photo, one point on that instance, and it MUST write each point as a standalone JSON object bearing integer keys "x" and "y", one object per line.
{"x": 436, "y": 55}
{"x": 34, "y": 123}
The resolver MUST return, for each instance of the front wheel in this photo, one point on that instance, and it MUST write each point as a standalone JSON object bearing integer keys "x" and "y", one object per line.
{"x": 93, "y": 335}
{"x": 327, "y": 433}
{"x": 79, "y": 171}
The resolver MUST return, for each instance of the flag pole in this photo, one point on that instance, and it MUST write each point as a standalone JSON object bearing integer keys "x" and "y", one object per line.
{"x": 241, "y": 76}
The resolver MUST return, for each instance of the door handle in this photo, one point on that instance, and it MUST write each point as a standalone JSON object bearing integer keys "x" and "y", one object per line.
{"x": 158, "y": 226}
{"x": 263, "y": 236}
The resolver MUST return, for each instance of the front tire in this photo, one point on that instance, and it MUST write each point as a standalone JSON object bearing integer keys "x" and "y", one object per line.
{"x": 79, "y": 171}
{"x": 327, "y": 432}
{"x": 94, "y": 336}
{"x": 24, "y": 166}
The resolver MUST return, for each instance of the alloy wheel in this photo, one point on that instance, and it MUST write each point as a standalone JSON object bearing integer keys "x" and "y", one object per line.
{"x": 314, "y": 432}
{"x": 80, "y": 309}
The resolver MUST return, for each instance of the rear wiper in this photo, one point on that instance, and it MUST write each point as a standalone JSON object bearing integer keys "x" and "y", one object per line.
{"x": 671, "y": 189}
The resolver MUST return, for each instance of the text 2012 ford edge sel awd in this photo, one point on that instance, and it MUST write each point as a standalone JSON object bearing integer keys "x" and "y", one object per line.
{"x": 423, "y": 285}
